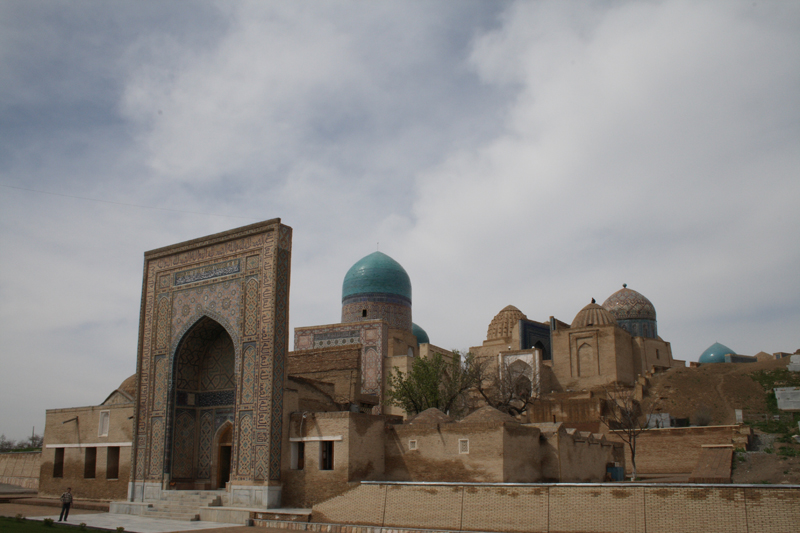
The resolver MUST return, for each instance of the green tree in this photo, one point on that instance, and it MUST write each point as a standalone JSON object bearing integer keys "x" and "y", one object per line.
{"x": 432, "y": 382}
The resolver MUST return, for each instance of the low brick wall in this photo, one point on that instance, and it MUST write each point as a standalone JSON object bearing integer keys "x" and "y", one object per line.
{"x": 598, "y": 508}
{"x": 21, "y": 469}
{"x": 674, "y": 450}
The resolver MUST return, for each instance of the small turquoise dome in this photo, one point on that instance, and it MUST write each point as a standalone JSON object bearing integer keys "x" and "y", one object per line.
{"x": 419, "y": 333}
{"x": 376, "y": 273}
{"x": 715, "y": 354}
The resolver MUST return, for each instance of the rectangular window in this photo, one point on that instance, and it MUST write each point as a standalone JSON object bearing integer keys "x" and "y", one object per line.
{"x": 89, "y": 463}
{"x": 326, "y": 455}
{"x": 102, "y": 427}
{"x": 58, "y": 463}
{"x": 463, "y": 445}
{"x": 412, "y": 445}
{"x": 298, "y": 455}
{"x": 112, "y": 462}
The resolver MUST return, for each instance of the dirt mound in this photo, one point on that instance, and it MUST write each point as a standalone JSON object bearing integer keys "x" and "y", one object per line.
{"x": 711, "y": 392}
{"x": 760, "y": 467}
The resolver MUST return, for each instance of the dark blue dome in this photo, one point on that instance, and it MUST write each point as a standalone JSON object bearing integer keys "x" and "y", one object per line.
{"x": 419, "y": 333}
{"x": 715, "y": 354}
{"x": 376, "y": 273}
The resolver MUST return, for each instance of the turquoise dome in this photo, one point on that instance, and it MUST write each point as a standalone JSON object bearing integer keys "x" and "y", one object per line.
{"x": 715, "y": 354}
{"x": 376, "y": 273}
{"x": 419, "y": 333}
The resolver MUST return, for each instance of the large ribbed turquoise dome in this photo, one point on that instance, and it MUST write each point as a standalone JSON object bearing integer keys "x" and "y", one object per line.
{"x": 715, "y": 354}
{"x": 376, "y": 273}
{"x": 420, "y": 334}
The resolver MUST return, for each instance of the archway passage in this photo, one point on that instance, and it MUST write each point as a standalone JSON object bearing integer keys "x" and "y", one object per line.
{"x": 224, "y": 457}
{"x": 204, "y": 397}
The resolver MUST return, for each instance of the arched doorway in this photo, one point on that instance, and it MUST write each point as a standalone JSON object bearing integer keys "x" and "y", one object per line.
{"x": 223, "y": 457}
{"x": 203, "y": 399}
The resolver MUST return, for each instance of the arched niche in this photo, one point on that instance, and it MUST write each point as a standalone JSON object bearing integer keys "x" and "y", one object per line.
{"x": 203, "y": 396}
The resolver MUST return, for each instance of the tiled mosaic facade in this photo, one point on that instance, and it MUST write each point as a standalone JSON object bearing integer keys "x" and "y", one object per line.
{"x": 212, "y": 346}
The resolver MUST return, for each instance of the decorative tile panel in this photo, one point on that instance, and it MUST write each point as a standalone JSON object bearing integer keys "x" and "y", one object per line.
{"x": 245, "y": 464}
{"x": 204, "y": 446}
{"x": 162, "y": 327}
{"x": 248, "y": 374}
{"x": 183, "y": 455}
{"x": 156, "y": 447}
{"x": 251, "y": 307}
{"x": 160, "y": 396}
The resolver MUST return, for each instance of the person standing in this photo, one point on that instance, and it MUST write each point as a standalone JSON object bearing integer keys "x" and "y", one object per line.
{"x": 66, "y": 501}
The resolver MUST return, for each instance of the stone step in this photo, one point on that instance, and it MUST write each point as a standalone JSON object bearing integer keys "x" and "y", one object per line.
{"x": 172, "y": 515}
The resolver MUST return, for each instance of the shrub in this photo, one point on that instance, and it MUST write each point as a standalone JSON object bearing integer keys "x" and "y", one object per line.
{"x": 702, "y": 416}
{"x": 82, "y": 526}
{"x": 48, "y": 522}
{"x": 120, "y": 529}
{"x": 19, "y": 517}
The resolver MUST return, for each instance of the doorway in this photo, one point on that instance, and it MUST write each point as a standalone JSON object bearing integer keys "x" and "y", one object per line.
{"x": 224, "y": 465}
{"x": 224, "y": 456}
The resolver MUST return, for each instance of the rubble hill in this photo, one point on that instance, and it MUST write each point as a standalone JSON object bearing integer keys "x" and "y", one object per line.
{"x": 708, "y": 395}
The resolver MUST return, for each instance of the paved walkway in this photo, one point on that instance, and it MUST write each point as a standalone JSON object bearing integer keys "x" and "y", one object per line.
{"x": 108, "y": 521}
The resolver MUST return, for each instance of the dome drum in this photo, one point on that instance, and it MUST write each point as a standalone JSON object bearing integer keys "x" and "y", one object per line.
{"x": 397, "y": 316}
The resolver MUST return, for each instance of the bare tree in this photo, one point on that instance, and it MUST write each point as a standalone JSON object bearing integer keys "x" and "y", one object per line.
{"x": 509, "y": 388}
{"x": 624, "y": 415}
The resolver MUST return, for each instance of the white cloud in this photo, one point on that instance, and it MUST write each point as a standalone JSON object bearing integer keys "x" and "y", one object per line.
{"x": 531, "y": 153}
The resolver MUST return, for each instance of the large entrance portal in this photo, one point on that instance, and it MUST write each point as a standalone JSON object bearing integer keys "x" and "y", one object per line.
{"x": 203, "y": 402}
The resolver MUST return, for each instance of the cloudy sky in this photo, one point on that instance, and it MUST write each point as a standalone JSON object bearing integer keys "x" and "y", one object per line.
{"x": 529, "y": 153}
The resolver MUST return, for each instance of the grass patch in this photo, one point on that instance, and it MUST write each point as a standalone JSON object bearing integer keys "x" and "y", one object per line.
{"x": 786, "y": 451}
{"x": 19, "y": 525}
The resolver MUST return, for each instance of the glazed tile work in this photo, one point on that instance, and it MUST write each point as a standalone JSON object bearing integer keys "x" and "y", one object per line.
{"x": 213, "y": 340}
{"x": 633, "y": 311}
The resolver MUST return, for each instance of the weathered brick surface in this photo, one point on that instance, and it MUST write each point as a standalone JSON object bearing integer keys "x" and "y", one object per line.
{"x": 596, "y": 509}
{"x": 608, "y": 508}
{"x": 673, "y": 450}
{"x": 703, "y": 509}
{"x": 714, "y": 466}
{"x": 424, "y": 506}
{"x": 772, "y": 510}
{"x": 512, "y": 509}
{"x": 371, "y": 501}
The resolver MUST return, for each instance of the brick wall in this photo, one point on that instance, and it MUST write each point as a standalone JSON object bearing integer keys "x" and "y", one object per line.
{"x": 338, "y": 365}
{"x": 73, "y": 431}
{"x": 21, "y": 469}
{"x": 599, "y": 508}
{"x": 673, "y": 450}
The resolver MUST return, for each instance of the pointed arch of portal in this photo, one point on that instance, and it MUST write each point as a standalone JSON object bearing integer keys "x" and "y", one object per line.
{"x": 202, "y": 400}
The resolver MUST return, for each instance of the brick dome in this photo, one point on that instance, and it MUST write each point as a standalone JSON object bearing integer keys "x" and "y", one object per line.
{"x": 502, "y": 324}
{"x": 593, "y": 315}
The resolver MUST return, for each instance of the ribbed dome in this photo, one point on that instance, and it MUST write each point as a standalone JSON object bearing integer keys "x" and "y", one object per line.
{"x": 419, "y": 333}
{"x": 715, "y": 354}
{"x": 129, "y": 386}
{"x": 628, "y": 304}
{"x": 593, "y": 315}
{"x": 376, "y": 273}
{"x": 502, "y": 324}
